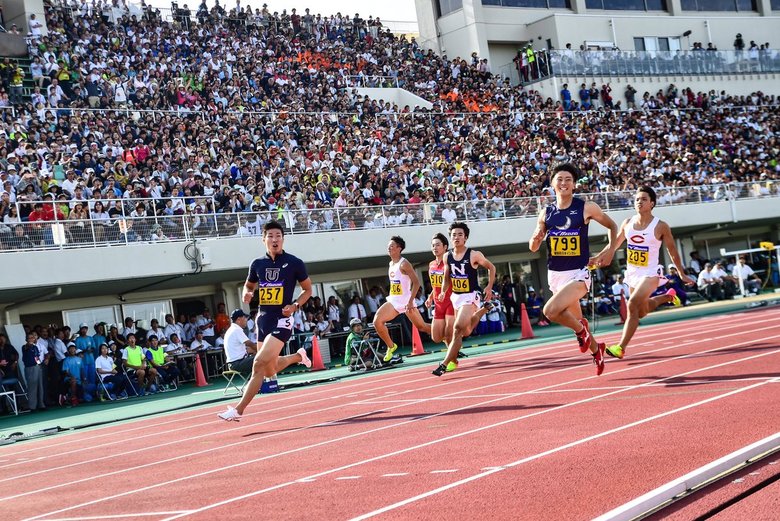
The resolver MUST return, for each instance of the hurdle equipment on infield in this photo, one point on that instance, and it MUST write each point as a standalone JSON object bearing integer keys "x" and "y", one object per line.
{"x": 525, "y": 324}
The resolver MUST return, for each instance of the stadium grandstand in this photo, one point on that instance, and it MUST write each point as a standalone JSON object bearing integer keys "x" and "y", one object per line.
{"x": 143, "y": 149}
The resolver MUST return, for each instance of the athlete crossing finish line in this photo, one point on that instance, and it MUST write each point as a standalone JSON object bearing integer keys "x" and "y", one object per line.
{"x": 404, "y": 285}
{"x": 274, "y": 276}
{"x": 644, "y": 234}
{"x": 565, "y": 226}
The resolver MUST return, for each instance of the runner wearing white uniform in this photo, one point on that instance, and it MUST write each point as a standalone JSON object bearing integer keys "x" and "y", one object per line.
{"x": 645, "y": 234}
{"x": 404, "y": 285}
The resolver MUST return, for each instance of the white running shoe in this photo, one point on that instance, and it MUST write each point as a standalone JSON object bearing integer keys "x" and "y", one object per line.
{"x": 231, "y": 415}
{"x": 304, "y": 357}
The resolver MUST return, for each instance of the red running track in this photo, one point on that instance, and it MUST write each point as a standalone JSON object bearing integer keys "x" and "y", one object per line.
{"x": 521, "y": 434}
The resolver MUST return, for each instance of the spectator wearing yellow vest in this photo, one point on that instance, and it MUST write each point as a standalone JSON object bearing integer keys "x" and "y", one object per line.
{"x": 164, "y": 365}
{"x": 136, "y": 366}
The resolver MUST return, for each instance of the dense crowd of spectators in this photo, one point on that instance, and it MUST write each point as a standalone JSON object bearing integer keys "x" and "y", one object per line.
{"x": 238, "y": 112}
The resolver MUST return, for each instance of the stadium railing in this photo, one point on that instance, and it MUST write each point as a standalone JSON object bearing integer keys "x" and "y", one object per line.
{"x": 126, "y": 229}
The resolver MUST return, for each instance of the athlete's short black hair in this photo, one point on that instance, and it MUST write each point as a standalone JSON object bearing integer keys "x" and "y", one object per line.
{"x": 568, "y": 167}
{"x": 649, "y": 191}
{"x": 272, "y": 225}
{"x": 462, "y": 226}
{"x": 442, "y": 238}
{"x": 399, "y": 241}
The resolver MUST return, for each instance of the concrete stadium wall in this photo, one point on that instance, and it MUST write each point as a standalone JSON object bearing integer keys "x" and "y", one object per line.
{"x": 46, "y": 269}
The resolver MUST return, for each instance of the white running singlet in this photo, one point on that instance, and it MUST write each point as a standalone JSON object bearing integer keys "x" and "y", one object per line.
{"x": 400, "y": 286}
{"x": 642, "y": 253}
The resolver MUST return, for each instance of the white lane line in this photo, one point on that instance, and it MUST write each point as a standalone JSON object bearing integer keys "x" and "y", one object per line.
{"x": 486, "y": 427}
{"x": 351, "y": 436}
{"x": 395, "y": 474}
{"x": 444, "y": 471}
{"x": 348, "y": 477}
{"x": 120, "y": 516}
{"x": 306, "y": 413}
{"x": 541, "y": 454}
{"x": 649, "y": 332}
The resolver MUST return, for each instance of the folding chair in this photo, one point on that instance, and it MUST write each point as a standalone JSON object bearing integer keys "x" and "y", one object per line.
{"x": 230, "y": 376}
{"x": 103, "y": 388}
{"x": 371, "y": 346}
{"x": 8, "y": 385}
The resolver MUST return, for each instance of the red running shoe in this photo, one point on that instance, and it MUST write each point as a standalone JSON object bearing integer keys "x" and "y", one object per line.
{"x": 584, "y": 337}
{"x": 598, "y": 358}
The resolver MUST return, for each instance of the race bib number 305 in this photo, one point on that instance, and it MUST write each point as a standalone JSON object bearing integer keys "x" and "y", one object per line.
{"x": 271, "y": 294}
{"x": 637, "y": 255}
{"x": 565, "y": 245}
{"x": 395, "y": 287}
{"x": 460, "y": 285}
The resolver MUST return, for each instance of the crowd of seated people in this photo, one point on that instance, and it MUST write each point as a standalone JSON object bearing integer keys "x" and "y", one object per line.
{"x": 66, "y": 368}
{"x": 223, "y": 127}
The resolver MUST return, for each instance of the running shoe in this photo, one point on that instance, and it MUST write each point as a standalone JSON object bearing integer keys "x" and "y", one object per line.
{"x": 389, "y": 354}
{"x": 304, "y": 357}
{"x": 230, "y": 415}
{"x": 598, "y": 358}
{"x": 439, "y": 370}
{"x": 452, "y": 366}
{"x": 584, "y": 337}
{"x": 616, "y": 351}
{"x": 676, "y": 302}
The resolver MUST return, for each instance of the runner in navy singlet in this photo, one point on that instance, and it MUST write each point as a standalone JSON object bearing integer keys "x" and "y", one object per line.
{"x": 565, "y": 227}
{"x": 460, "y": 274}
{"x": 275, "y": 277}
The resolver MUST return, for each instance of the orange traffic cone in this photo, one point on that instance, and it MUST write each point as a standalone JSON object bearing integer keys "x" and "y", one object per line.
{"x": 525, "y": 324}
{"x": 623, "y": 308}
{"x": 417, "y": 345}
{"x": 316, "y": 357}
{"x": 200, "y": 380}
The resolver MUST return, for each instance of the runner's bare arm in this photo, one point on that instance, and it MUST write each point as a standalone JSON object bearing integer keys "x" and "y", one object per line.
{"x": 668, "y": 238}
{"x": 407, "y": 269}
{"x": 445, "y": 283}
{"x": 594, "y": 212}
{"x": 479, "y": 259}
{"x": 539, "y": 233}
{"x": 249, "y": 290}
{"x": 289, "y": 309}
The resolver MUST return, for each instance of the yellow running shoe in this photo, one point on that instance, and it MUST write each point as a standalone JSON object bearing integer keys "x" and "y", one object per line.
{"x": 615, "y": 351}
{"x": 389, "y": 354}
{"x": 676, "y": 302}
{"x": 452, "y": 366}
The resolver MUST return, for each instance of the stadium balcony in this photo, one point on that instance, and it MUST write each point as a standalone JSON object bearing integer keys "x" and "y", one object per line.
{"x": 70, "y": 265}
{"x": 738, "y": 72}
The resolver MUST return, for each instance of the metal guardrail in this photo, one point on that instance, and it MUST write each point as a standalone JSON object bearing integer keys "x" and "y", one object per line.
{"x": 654, "y": 63}
{"x": 127, "y": 229}
{"x": 642, "y": 63}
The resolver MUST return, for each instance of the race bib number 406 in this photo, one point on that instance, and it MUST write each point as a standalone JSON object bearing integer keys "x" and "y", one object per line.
{"x": 395, "y": 287}
{"x": 565, "y": 245}
{"x": 637, "y": 255}
{"x": 271, "y": 294}
{"x": 460, "y": 285}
